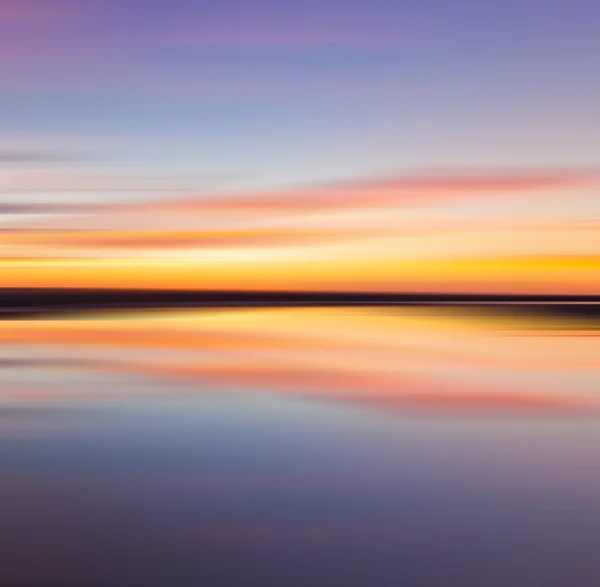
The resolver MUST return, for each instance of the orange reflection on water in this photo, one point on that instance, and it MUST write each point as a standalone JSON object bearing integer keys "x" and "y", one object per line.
{"x": 429, "y": 357}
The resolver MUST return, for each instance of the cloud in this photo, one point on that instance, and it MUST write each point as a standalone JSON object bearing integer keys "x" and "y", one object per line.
{"x": 391, "y": 191}
{"x": 312, "y": 237}
{"x": 169, "y": 239}
{"x": 264, "y": 218}
{"x": 17, "y": 156}
{"x": 40, "y": 181}
{"x": 39, "y": 208}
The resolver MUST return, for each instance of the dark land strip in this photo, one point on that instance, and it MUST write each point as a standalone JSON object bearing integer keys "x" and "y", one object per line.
{"x": 22, "y": 303}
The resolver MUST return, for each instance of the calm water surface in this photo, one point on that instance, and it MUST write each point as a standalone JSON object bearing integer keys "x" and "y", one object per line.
{"x": 322, "y": 447}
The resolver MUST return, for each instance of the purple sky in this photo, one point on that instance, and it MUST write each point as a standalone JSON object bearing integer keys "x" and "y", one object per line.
{"x": 278, "y": 92}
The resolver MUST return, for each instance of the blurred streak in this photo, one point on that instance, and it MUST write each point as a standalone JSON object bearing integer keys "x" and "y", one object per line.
{"x": 407, "y": 190}
{"x": 243, "y": 347}
{"x": 17, "y": 156}
{"x": 42, "y": 208}
{"x": 437, "y": 359}
{"x": 64, "y": 181}
{"x": 153, "y": 239}
{"x": 390, "y": 234}
{"x": 311, "y": 269}
{"x": 395, "y": 234}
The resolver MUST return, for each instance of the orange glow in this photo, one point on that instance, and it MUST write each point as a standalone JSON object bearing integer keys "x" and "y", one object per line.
{"x": 542, "y": 275}
{"x": 406, "y": 358}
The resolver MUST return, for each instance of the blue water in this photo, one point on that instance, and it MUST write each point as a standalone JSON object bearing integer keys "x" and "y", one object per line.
{"x": 236, "y": 490}
{"x": 116, "y": 473}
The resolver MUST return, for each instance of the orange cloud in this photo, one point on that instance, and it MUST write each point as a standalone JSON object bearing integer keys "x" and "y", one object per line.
{"x": 157, "y": 239}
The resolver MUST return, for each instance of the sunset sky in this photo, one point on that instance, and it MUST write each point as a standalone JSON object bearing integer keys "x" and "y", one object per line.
{"x": 331, "y": 145}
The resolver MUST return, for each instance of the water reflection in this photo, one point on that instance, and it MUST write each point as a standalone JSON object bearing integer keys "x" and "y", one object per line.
{"x": 409, "y": 356}
{"x": 282, "y": 447}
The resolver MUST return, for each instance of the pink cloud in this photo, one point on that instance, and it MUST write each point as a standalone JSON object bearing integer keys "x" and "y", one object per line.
{"x": 392, "y": 191}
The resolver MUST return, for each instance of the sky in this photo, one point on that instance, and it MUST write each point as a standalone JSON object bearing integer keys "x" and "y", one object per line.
{"x": 137, "y": 117}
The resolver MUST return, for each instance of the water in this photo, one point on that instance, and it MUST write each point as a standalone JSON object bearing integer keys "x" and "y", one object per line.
{"x": 318, "y": 446}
